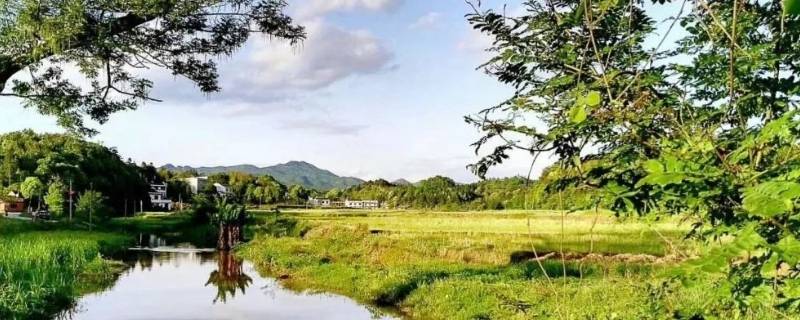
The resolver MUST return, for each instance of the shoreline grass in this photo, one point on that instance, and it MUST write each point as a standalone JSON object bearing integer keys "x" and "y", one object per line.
{"x": 43, "y": 270}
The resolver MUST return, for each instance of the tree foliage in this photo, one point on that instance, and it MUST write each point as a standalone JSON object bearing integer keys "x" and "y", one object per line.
{"x": 231, "y": 218}
{"x": 32, "y": 188}
{"x": 298, "y": 194}
{"x": 52, "y": 157}
{"x": 92, "y": 207}
{"x": 108, "y": 41}
{"x": 705, "y": 126}
{"x": 55, "y": 198}
{"x": 443, "y": 193}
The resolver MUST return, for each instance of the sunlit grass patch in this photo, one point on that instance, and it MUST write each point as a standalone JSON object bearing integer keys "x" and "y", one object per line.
{"x": 150, "y": 222}
{"x": 40, "y": 271}
{"x": 445, "y": 266}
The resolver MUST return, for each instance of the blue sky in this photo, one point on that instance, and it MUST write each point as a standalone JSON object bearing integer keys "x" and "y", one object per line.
{"x": 378, "y": 90}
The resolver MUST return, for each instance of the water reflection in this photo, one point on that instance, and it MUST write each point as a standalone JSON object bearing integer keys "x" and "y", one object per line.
{"x": 151, "y": 241}
{"x": 229, "y": 277}
{"x": 185, "y": 283}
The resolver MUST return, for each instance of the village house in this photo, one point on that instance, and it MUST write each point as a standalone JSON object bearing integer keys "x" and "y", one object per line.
{"x": 353, "y": 204}
{"x": 12, "y": 203}
{"x": 362, "y": 204}
{"x": 158, "y": 197}
{"x": 337, "y": 204}
{"x": 221, "y": 189}
{"x": 319, "y": 202}
{"x": 198, "y": 184}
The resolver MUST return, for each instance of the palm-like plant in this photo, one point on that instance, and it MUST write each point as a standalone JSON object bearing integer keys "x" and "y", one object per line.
{"x": 230, "y": 217}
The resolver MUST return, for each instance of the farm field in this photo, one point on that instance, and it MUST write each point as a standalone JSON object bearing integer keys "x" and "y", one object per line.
{"x": 482, "y": 265}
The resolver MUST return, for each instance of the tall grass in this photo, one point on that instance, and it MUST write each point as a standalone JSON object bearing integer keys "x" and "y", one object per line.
{"x": 508, "y": 231}
{"x": 40, "y": 271}
{"x": 457, "y": 272}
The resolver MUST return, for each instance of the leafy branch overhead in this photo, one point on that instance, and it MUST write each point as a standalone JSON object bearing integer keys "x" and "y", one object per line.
{"x": 701, "y": 122}
{"x": 107, "y": 41}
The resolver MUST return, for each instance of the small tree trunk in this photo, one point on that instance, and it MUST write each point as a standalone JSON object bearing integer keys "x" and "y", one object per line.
{"x": 230, "y": 234}
{"x": 222, "y": 237}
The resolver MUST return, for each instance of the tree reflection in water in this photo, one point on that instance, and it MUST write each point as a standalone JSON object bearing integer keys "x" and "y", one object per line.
{"x": 229, "y": 277}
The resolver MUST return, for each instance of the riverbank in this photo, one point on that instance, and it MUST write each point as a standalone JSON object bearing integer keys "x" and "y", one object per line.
{"x": 44, "y": 267}
{"x": 484, "y": 265}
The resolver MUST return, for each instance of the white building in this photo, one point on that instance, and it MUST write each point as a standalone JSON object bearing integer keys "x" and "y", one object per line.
{"x": 221, "y": 189}
{"x": 158, "y": 196}
{"x": 362, "y": 204}
{"x": 319, "y": 202}
{"x": 196, "y": 184}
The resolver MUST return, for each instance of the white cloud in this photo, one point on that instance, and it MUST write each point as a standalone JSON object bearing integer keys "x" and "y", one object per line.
{"x": 428, "y": 20}
{"x": 328, "y": 55}
{"x": 315, "y": 8}
{"x": 323, "y": 126}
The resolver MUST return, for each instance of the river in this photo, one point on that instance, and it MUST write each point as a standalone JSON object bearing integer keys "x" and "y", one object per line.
{"x": 183, "y": 282}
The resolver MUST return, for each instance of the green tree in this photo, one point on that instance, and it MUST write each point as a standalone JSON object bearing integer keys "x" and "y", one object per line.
{"x": 334, "y": 193}
{"x": 298, "y": 194}
{"x": 178, "y": 190}
{"x": 203, "y": 208}
{"x": 231, "y": 218}
{"x": 32, "y": 188}
{"x": 84, "y": 165}
{"x": 272, "y": 190}
{"x": 715, "y": 139}
{"x": 108, "y": 39}
{"x": 55, "y": 198}
{"x": 92, "y": 207}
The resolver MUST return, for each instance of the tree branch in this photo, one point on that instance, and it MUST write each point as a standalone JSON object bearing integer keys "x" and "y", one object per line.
{"x": 9, "y": 67}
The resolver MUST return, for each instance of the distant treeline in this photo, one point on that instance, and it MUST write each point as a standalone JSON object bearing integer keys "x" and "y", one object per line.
{"x": 42, "y": 166}
{"x": 437, "y": 193}
{"x": 441, "y": 193}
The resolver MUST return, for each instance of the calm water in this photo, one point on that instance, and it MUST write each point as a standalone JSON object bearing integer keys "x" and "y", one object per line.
{"x": 179, "y": 282}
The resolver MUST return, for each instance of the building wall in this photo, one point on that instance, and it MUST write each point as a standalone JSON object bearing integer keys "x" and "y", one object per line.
{"x": 12, "y": 207}
{"x": 158, "y": 197}
{"x": 196, "y": 184}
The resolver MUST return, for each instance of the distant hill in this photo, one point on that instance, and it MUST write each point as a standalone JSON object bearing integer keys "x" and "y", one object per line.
{"x": 290, "y": 173}
{"x": 401, "y": 182}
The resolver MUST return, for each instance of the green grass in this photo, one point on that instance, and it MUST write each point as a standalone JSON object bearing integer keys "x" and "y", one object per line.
{"x": 151, "y": 222}
{"x": 431, "y": 265}
{"x": 44, "y": 270}
{"x": 175, "y": 228}
{"x": 505, "y": 232}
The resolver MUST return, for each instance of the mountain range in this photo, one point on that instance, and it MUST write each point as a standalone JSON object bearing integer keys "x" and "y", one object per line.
{"x": 290, "y": 173}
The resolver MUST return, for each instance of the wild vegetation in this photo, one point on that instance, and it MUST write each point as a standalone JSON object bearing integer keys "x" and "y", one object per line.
{"x": 482, "y": 265}
{"x": 703, "y": 129}
{"x": 43, "y": 268}
{"x": 699, "y": 118}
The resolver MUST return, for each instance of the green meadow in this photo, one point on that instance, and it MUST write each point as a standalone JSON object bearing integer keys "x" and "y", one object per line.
{"x": 488, "y": 265}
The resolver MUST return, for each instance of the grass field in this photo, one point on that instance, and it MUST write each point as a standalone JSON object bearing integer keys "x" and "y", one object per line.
{"x": 505, "y": 232}
{"x": 479, "y": 265}
{"x": 44, "y": 267}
